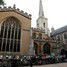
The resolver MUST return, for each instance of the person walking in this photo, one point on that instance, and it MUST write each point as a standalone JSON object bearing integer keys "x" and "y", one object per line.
{"x": 31, "y": 65}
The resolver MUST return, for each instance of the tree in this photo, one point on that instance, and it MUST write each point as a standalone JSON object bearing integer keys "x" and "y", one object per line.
{"x": 2, "y": 2}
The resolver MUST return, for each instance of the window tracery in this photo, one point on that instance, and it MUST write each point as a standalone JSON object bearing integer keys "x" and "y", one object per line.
{"x": 10, "y": 35}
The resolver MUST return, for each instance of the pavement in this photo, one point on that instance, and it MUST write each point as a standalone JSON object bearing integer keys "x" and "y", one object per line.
{"x": 52, "y": 65}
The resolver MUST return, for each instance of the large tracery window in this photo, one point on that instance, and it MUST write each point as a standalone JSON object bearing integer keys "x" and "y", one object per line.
{"x": 10, "y": 35}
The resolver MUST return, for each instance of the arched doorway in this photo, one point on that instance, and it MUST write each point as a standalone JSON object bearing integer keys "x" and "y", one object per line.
{"x": 62, "y": 51}
{"x": 46, "y": 48}
{"x": 36, "y": 48}
{"x": 10, "y": 35}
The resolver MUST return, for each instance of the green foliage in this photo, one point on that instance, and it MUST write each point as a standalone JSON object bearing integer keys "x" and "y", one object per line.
{"x": 2, "y": 2}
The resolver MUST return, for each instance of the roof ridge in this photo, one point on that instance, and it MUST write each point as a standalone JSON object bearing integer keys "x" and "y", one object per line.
{"x": 57, "y": 31}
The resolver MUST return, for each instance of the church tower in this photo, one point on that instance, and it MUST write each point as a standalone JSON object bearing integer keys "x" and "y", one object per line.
{"x": 42, "y": 22}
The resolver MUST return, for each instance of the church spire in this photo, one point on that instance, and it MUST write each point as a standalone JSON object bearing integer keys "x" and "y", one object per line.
{"x": 42, "y": 21}
{"x": 41, "y": 13}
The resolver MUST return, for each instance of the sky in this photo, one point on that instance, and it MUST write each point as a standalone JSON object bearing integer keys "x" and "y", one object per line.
{"x": 54, "y": 10}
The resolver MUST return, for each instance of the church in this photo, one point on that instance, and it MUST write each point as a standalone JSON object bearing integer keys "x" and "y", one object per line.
{"x": 14, "y": 30}
{"x": 18, "y": 37}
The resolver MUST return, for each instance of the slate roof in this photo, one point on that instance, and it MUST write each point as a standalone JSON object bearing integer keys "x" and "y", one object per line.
{"x": 58, "y": 31}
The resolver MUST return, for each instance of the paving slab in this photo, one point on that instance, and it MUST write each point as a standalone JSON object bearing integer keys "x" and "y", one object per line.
{"x": 53, "y": 65}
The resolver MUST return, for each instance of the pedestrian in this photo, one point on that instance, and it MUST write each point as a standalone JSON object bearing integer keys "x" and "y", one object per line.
{"x": 31, "y": 65}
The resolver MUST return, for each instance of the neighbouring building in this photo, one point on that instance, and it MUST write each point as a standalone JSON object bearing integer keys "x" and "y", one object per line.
{"x": 41, "y": 42}
{"x": 41, "y": 34}
{"x": 60, "y": 35}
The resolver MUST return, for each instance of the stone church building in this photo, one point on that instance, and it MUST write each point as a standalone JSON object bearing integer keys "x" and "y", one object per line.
{"x": 14, "y": 30}
{"x": 17, "y": 36}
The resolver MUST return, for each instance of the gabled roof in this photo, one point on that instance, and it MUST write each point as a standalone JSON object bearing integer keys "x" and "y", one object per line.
{"x": 58, "y": 31}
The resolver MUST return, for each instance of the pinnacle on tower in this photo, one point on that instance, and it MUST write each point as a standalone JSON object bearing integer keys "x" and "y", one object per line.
{"x": 41, "y": 13}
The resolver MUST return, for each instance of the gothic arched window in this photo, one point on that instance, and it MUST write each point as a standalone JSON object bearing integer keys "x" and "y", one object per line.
{"x": 65, "y": 36}
{"x": 10, "y": 35}
{"x": 44, "y": 25}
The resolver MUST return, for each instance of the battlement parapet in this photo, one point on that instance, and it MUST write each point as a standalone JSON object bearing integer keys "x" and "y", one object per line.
{"x": 21, "y": 12}
{"x": 39, "y": 30}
